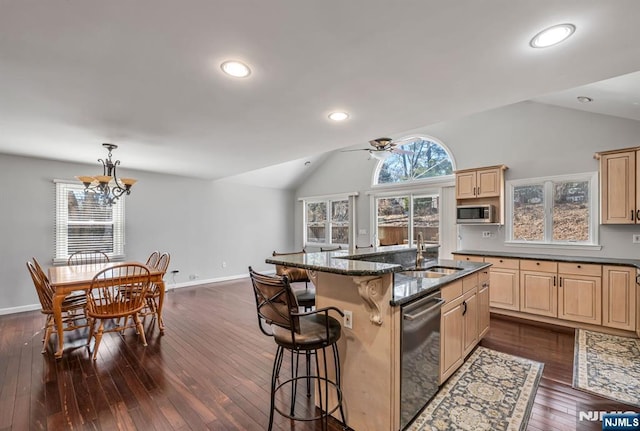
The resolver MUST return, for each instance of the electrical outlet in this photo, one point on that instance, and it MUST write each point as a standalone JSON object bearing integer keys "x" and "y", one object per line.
{"x": 486, "y": 234}
{"x": 224, "y": 264}
{"x": 636, "y": 238}
{"x": 193, "y": 276}
{"x": 348, "y": 319}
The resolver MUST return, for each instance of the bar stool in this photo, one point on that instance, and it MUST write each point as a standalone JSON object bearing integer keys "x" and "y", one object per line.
{"x": 305, "y": 333}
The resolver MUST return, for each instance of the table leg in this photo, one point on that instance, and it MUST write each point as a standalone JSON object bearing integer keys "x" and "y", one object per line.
{"x": 161, "y": 288}
{"x": 57, "y": 318}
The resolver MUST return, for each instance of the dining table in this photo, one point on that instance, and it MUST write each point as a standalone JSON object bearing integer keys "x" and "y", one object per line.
{"x": 78, "y": 278}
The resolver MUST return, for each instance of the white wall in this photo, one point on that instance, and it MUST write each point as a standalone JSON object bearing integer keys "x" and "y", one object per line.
{"x": 532, "y": 139}
{"x": 201, "y": 223}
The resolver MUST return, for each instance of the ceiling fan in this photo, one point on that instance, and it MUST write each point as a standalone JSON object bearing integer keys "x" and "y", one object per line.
{"x": 382, "y": 148}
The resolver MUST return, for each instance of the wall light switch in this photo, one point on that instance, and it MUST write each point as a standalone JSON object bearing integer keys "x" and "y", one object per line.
{"x": 636, "y": 238}
{"x": 348, "y": 319}
{"x": 486, "y": 234}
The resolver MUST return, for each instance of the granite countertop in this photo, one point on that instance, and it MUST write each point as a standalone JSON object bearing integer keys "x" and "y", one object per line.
{"x": 407, "y": 287}
{"x": 347, "y": 262}
{"x": 558, "y": 257}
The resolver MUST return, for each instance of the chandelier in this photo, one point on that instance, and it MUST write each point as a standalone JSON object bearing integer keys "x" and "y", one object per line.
{"x": 108, "y": 185}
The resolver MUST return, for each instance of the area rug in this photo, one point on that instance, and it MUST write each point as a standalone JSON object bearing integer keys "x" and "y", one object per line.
{"x": 607, "y": 365}
{"x": 491, "y": 391}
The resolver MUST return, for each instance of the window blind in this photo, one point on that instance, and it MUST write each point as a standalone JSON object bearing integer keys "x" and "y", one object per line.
{"x": 85, "y": 222}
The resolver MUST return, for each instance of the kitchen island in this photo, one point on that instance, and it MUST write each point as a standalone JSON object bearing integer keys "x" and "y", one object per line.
{"x": 375, "y": 285}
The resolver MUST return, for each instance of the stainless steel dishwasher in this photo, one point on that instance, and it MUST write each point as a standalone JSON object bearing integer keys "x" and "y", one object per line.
{"x": 420, "y": 355}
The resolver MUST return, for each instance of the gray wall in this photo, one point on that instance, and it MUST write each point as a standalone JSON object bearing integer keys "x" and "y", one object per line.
{"x": 532, "y": 139}
{"x": 201, "y": 223}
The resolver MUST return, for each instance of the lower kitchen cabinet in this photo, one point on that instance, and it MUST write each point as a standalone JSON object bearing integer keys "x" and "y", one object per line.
{"x": 505, "y": 283}
{"x": 580, "y": 293}
{"x": 451, "y": 338}
{"x": 483, "y": 305}
{"x": 538, "y": 287}
{"x": 619, "y": 297}
{"x": 463, "y": 321}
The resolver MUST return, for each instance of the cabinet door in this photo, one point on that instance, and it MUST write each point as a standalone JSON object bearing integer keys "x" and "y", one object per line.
{"x": 466, "y": 185}
{"x": 504, "y": 290}
{"x": 579, "y": 298}
{"x": 470, "y": 314}
{"x": 538, "y": 293}
{"x": 483, "y": 309}
{"x": 488, "y": 183}
{"x": 618, "y": 188}
{"x": 619, "y": 297}
{"x": 451, "y": 338}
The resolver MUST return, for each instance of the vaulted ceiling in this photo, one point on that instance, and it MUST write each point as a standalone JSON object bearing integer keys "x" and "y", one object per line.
{"x": 146, "y": 75}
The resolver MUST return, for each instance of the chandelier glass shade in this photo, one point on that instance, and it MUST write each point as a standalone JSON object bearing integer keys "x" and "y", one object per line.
{"x": 108, "y": 185}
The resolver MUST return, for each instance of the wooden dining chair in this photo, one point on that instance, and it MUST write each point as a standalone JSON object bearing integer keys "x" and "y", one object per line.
{"x": 87, "y": 257}
{"x": 152, "y": 261}
{"x": 151, "y": 298}
{"x": 73, "y": 308}
{"x": 106, "y": 301}
{"x": 306, "y": 297}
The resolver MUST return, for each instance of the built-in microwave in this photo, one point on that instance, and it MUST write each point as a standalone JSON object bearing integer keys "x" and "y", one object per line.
{"x": 475, "y": 214}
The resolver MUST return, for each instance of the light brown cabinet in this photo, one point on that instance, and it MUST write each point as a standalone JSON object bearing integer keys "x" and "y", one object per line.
{"x": 483, "y": 303}
{"x": 482, "y": 186}
{"x": 463, "y": 321}
{"x": 538, "y": 287}
{"x": 468, "y": 258}
{"x": 580, "y": 292}
{"x": 619, "y": 297}
{"x": 619, "y": 186}
{"x": 505, "y": 283}
{"x": 478, "y": 183}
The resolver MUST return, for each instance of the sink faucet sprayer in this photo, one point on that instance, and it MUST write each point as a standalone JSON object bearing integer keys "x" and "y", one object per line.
{"x": 419, "y": 256}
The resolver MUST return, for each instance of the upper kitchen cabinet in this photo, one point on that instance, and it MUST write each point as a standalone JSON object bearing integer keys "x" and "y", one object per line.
{"x": 619, "y": 186}
{"x": 482, "y": 186}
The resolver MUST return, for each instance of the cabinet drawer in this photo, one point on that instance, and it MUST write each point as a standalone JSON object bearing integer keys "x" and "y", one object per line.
{"x": 451, "y": 291}
{"x": 538, "y": 265}
{"x": 468, "y": 257}
{"x": 580, "y": 269}
{"x": 503, "y": 262}
{"x": 469, "y": 282}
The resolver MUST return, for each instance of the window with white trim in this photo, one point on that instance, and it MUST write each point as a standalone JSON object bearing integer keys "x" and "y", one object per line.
{"x": 327, "y": 221}
{"x": 85, "y": 222}
{"x": 400, "y": 218}
{"x": 559, "y": 210}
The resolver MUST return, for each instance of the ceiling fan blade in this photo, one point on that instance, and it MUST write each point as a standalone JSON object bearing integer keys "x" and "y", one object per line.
{"x": 398, "y": 151}
{"x": 357, "y": 149}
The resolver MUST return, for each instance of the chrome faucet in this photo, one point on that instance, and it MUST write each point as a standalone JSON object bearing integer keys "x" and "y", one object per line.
{"x": 419, "y": 256}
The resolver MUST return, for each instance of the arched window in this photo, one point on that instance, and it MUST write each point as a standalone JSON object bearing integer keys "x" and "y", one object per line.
{"x": 424, "y": 158}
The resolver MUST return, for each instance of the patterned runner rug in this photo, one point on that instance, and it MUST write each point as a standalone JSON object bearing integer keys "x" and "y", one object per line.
{"x": 607, "y": 365}
{"x": 491, "y": 391}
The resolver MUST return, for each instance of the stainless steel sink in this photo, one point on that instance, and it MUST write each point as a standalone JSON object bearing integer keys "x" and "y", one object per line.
{"x": 444, "y": 270}
{"x": 423, "y": 274}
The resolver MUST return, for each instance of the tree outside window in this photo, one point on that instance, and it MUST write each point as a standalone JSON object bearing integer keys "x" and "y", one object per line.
{"x": 554, "y": 210}
{"x": 427, "y": 159}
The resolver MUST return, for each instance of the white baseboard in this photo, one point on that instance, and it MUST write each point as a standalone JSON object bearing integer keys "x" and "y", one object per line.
{"x": 20, "y": 309}
{"x": 169, "y": 286}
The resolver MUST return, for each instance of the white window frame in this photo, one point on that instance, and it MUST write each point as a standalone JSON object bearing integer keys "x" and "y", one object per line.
{"x": 548, "y": 242}
{"x": 411, "y": 193}
{"x": 61, "y": 251}
{"x": 328, "y": 199}
{"x": 422, "y": 182}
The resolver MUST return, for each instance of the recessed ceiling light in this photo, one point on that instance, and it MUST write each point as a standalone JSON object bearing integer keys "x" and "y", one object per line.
{"x": 338, "y": 116}
{"x": 552, "y": 35}
{"x": 584, "y": 99}
{"x": 236, "y": 69}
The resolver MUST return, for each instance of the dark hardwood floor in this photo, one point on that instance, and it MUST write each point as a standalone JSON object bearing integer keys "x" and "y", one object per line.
{"x": 211, "y": 370}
